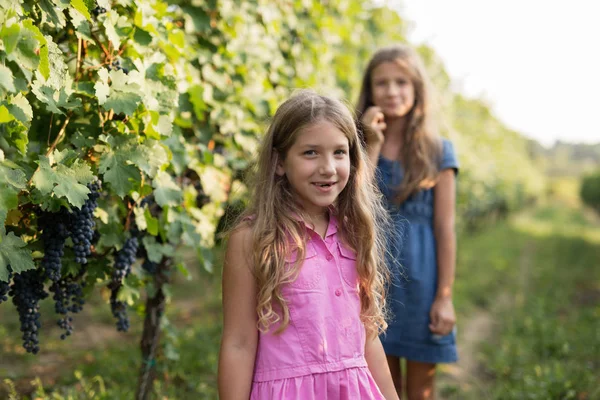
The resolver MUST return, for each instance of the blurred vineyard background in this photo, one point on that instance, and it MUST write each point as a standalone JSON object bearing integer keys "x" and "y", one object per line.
{"x": 528, "y": 282}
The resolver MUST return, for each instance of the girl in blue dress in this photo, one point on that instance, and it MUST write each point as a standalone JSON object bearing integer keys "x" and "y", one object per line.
{"x": 416, "y": 172}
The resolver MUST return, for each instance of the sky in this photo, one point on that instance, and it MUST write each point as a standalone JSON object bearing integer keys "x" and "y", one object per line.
{"x": 536, "y": 63}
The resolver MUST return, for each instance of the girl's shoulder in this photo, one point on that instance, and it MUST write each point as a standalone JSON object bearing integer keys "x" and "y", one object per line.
{"x": 240, "y": 241}
{"x": 448, "y": 160}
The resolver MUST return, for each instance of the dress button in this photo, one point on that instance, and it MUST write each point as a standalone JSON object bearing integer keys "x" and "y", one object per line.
{"x": 329, "y": 257}
{"x": 338, "y": 292}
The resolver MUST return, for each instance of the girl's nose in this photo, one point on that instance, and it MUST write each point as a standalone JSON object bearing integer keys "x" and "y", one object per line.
{"x": 393, "y": 89}
{"x": 328, "y": 166}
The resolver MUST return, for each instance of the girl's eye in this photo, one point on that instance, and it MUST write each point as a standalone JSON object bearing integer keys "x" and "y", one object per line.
{"x": 309, "y": 153}
{"x": 341, "y": 152}
{"x": 401, "y": 82}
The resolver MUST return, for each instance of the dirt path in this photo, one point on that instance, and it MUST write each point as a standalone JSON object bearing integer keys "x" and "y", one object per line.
{"x": 467, "y": 375}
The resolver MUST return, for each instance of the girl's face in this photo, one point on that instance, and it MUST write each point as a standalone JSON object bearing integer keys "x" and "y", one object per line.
{"x": 392, "y": 90}
{"x": 317, "y": 166}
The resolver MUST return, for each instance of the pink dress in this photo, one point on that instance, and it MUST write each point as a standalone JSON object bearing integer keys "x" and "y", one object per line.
{"x": 320, "y": 355}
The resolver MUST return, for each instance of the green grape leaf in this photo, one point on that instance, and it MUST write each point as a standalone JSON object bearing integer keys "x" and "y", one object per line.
{"x": 153, "y": 248}
{"x": 12, "y": 182}
{"x": 81, "y": 24}
{"x": 5, "y": 115}
{"x": 54, "y": 98}
{"x": 166, "y": 191}
{"x": 123, "y": 95}
{"x": 119, "y": 172}
{"x": 63, "y": 181}
{"x": 44, "y": 66}
{"x": 128, "y": 294}
{"x": 21, "y": 109}
{"x": 24, "y": 52}
{"x": 111, "y": 235}
{"x": 45, "y": 177}
{"x": 7, "y": 83}
{"x": 56, "y": 89}
{"x": 123, "y": 102}
{"x": 10, "y": 37}
{"x": 151, "y": 223}
{"x": 13, "y": 252}
{"x": 53, "y": 13}
{"x": 16, "y": 117}
{"x": 76, "y": 193}
{"x": 13, "y": 177}
{"x": 115, "y": 26}
{"x": 149, "y": 157}
{"x": 83, "y": 7}
{"x": 102, "y": 91}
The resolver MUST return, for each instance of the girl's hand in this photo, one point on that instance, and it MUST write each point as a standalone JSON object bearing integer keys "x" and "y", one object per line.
{"x": 374, "y": 122}
{"x": 442, "y": 316}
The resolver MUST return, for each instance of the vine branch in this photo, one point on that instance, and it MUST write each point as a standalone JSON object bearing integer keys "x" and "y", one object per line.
{"x": 60, "y": 135}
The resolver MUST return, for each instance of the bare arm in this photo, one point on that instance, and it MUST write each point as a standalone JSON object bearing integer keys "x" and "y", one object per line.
{"x": 240, "y": 334}
{"x": 442, "y": 313}
{"x": 378, "y": 366}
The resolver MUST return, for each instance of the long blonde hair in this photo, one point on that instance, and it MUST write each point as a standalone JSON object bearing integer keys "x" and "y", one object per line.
{"x": 276, "y": 218}
{"x": 421, "y": 146}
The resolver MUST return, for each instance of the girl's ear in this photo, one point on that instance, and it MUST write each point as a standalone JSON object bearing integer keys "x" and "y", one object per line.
{"x": 279, "y": 169}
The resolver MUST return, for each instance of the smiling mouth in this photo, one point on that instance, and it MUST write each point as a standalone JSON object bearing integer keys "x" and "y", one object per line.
{"x": 324, "y": 184}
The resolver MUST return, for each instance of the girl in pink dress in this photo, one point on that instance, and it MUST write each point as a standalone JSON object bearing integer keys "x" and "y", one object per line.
{"x": 304, "y": 272}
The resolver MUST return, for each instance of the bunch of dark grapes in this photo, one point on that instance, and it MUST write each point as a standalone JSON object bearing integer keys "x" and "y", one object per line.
{"x": 124, "y": 259}
{"x": 68, "y": 298}
{"x": 122, "y": 267}
{"x": 147, "y": 201}
{"x": 201, "y": 198}
{"x": 54, "y": 233}
{"x": 119, "y": 311}
{"x": 82, "y": 224}
{"x": 98, "y": 10}
{"x": 5, "y": 286}
{"x": 26, "y": 291}
{"x": 149, "y": 266}
{"x": 116, "y": 65}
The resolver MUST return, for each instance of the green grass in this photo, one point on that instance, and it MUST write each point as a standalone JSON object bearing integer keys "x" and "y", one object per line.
{"x": 538, "y": 279}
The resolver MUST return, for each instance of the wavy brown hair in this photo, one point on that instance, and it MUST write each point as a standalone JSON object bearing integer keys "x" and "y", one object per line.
{"x": 421, "y": 145}
{"x": 276, "y": 219}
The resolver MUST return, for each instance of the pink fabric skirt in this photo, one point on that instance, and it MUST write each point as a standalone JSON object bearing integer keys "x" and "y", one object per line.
{"x": 347, "y": 384}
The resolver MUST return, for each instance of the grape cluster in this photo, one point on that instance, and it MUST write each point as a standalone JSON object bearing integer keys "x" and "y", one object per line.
{"x": 119, "y": 311}
{"x": 147, "y": 201}
{"x": 122, "y": 267}
{"x": 98, "y": 10}
{"x": 201, "y": 198}
{"x": 4, "y": 287}
{"x": 116, "y": 65}
{"x": 26, "y": 291}
{"x": 82, "y": 224}
{"x": 68, "y": 298}
{"x": 124, "y": 259}
{"x": 54, "y": 233}
{"x": 149, "y": 266}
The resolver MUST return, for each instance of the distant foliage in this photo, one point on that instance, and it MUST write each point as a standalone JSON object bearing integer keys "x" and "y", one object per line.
{"x": 590, "y": 191}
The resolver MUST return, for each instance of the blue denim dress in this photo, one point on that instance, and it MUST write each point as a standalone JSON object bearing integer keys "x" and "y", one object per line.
{"x": 413, "y": 263}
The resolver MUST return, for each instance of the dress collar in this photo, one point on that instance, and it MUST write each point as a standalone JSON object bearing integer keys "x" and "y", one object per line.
{"x": 332, "y": 227}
